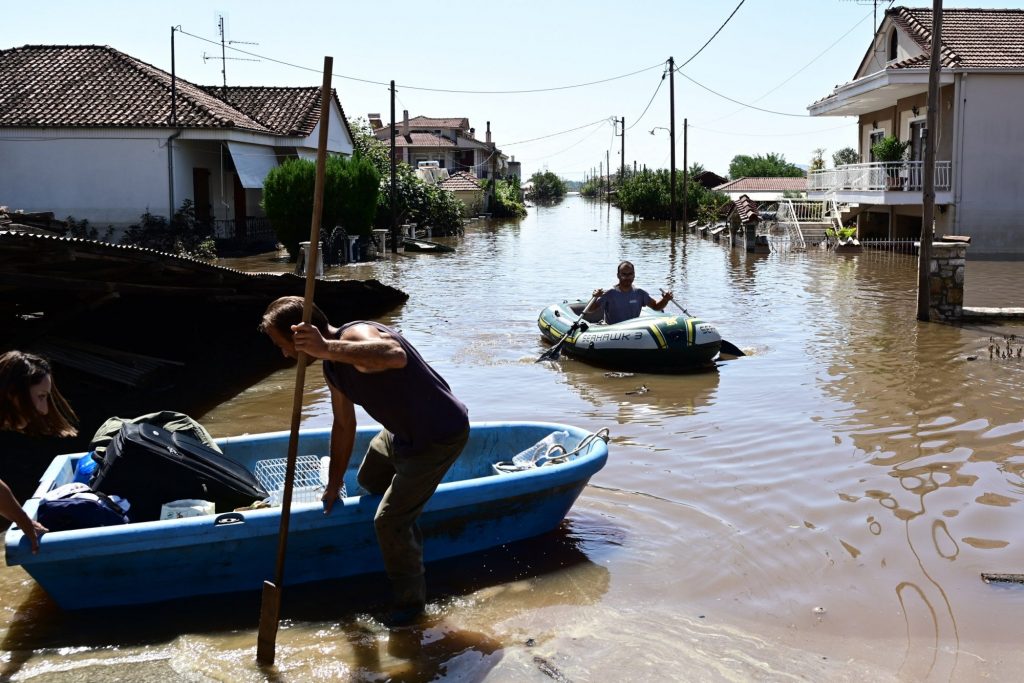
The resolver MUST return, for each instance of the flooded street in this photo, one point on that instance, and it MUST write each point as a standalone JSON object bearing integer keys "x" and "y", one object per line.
{"x": 821, "y": 509}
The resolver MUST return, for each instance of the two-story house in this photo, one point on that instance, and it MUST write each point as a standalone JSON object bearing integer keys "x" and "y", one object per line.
{"x": 90, "y": 132}
{"x": 979, "y": 142}
{"x": 447, "y": 142}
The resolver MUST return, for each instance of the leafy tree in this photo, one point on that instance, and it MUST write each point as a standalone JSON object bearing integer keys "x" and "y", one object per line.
{"x": 351, "y": 186}
{"x": 770, "y": 165}
{"x": 591, "y": 188}
{"x": 648, "y": 194}
{"x": 846, "y": 155}
{"x": 818, "y": 159}
{"x": 547, "y": 185}
{"x": 507, "y": 202}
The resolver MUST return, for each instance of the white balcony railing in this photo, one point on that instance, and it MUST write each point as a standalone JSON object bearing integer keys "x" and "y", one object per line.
{"x": 879, "y": 176}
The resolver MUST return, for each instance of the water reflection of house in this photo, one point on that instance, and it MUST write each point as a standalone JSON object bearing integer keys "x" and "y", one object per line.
{"x": 450, "y": 142}
{"x": 90, "y": 132}
{"x": 979, "y": 190}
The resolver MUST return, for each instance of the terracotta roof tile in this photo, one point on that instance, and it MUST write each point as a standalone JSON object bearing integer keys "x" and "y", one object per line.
{"x": 971, "y": 38}
{"x": 746, "y": 184}
{"x": 288, "y": 111}
{"x": 460, "y": 181}
{"x": 97, "y": 86}
{"x": 747, "y": 209}
{"x": 419, "y": 140}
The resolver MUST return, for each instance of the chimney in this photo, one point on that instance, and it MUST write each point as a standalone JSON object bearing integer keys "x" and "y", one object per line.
{"x": 405, "y": 122}
{"x": 374, "y": 121}
{"x": 488, "y": 138}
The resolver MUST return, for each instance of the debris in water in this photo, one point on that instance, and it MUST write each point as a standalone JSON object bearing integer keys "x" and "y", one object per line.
{"x": 550, "y": 669}
{"x": 618, "y": 374}
{"x": 642, "y": 389}
{"x": 1002, "y": 578}
{"x": 818, "y": 610}
{"x": 530, "y": 642}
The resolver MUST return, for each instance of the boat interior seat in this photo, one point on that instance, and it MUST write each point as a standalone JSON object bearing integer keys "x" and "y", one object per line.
{"x": 595, "y": 316}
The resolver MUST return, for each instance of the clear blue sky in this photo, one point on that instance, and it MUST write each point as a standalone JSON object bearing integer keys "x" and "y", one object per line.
{"x": 778, "y": 55}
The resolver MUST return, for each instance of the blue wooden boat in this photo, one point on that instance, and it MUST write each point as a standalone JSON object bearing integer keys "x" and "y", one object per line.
{"x": 653, "y": 341}
{"x": 477, "y": 506}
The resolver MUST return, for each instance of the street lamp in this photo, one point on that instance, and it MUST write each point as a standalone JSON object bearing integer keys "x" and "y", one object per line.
{"x": 660, "y": 128}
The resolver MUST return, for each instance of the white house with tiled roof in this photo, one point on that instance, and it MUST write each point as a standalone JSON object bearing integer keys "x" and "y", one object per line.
{"x": 979, "y": 148}
{"x": 450, "y": 142}
{"x": 767, "y": 189}
{"x": 90, "y": 132}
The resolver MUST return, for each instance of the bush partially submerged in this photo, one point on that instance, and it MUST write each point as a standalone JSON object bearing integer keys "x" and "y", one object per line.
{"x": 183, "y": 235}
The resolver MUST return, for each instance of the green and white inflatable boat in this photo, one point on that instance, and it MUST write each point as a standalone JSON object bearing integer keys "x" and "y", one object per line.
{"x": 654, "y": 341}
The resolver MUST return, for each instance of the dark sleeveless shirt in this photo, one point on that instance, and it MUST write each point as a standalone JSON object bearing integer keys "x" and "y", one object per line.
{"x": 414, "y": 403}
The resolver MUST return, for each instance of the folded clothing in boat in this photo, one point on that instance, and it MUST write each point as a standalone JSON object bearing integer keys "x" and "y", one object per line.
{"x": 151, "y": 466}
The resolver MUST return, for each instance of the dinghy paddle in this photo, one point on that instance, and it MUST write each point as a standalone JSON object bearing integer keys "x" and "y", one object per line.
{"x": 727, "y": 347}
{"x": 556, "y": 350}
{"x": 270, "y": 606}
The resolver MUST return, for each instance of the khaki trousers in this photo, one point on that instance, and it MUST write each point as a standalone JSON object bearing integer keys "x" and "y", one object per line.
{"x": 406, "y": 484}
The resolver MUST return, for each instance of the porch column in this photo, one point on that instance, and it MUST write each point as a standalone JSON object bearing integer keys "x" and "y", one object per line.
{"x": 946, "y": 281}
{"x": 755, "y": 244}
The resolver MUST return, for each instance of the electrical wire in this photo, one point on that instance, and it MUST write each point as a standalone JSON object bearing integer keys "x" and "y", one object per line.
{"x": 798, "y": 71}
{"x": 712, "y": 37}
{"x": 749, "y": 106}
{"x": 768, "y": 135}
{"x": 651, "y": 101}
{"x": 415, "y": 87}
{"x": 545, "y": 137}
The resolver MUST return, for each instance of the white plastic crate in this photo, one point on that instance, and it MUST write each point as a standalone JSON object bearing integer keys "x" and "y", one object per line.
{"x": 307, "y": 487}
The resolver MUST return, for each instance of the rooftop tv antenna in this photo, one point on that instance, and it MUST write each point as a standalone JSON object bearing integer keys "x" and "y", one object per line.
{"x": 874, "y": 15}
{"x": 223, "y": 58}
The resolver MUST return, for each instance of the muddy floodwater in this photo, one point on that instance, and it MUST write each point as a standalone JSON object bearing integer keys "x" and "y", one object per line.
{"x": 821, "y": 509}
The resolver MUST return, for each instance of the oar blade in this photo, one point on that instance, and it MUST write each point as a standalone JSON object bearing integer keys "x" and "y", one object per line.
{"x": 270, "y": 608}
{"x": 731, "y": 349}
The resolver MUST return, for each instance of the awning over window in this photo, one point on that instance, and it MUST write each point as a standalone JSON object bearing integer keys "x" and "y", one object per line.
{"x": 252, "y": 163}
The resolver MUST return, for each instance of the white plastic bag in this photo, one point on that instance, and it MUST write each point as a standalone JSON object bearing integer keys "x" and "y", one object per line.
{"x": 550, "y": 446}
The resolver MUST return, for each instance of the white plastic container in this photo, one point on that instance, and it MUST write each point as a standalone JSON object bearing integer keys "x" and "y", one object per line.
{"x": 186, "y": 507}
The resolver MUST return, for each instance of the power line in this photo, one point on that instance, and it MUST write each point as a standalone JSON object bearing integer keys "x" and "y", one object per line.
{"x": 661, "y": 82}
{"x": 544, "y": 137}
{"x": 769, "y": 135}
{"x": 444, "y": 90}
{"x": 801, "y": 69}
{"x": 712, "y": 37}
{"x": 744, "y": 104}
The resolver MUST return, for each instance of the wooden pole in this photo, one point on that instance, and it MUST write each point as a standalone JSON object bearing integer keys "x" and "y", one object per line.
{"x": 394, "y": 169}
{"x": 622, "y": 173}
{"x": 672, "y": 135}
{"x": 271, "y": 602}
{"x": 928, "y": 188}
{"x": 686, "y": 193}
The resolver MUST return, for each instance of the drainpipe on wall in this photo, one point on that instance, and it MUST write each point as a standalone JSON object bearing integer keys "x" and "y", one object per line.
{"x": 170, "y": 174}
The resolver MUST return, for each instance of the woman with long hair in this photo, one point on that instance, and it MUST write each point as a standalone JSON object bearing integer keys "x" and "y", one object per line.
{"x": 30, "y": 404}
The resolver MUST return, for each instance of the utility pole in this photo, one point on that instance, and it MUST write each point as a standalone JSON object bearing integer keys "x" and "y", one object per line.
{"x": 928, "y": 190}
{"x": 672, "y": 136}
{"x": 394, "y": 168}
{"x": 622, "y": 173}
{"x": 608, "y": 180}
{"x": 686, "y": 193}
{"x": 600, "y": 174}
